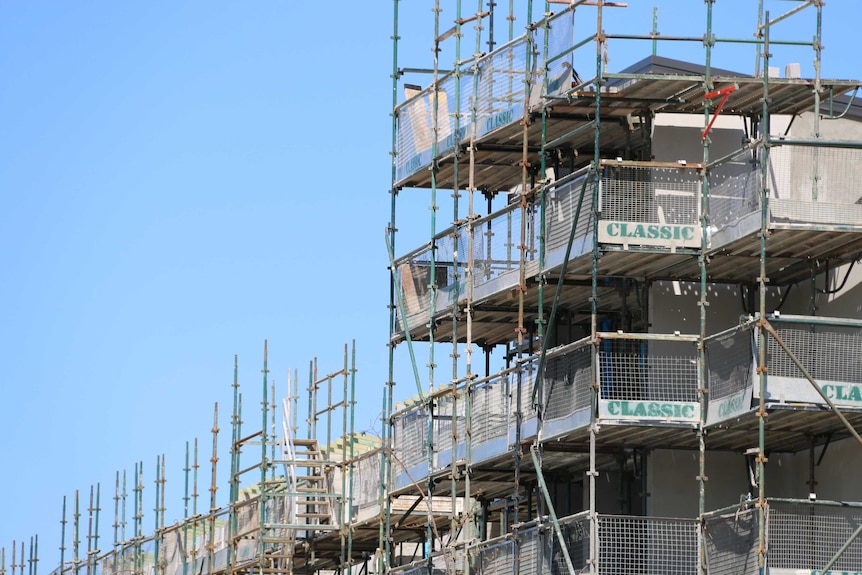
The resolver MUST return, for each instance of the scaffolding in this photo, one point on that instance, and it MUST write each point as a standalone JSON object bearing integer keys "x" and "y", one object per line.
{"x": 619, "y": 214}
{"x": 589, "y": 216}
{"x": 296, "y": 504}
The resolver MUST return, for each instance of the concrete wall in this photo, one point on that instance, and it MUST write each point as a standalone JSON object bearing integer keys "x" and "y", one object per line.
{"x": 841, "y": 129}
{"x": 839, "y": 476}
{"x": 673, "y": 487}
{"x": 671, "y": 474}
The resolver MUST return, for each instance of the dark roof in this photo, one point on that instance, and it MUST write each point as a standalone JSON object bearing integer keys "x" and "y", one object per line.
{"x": 794, "y": 95}
{"x": 662, "y": 65}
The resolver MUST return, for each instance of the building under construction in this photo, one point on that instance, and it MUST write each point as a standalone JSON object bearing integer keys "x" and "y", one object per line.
{"x": 632, "y": 341}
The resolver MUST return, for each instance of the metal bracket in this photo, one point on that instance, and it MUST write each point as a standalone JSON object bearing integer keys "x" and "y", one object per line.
{"x": 725, "y": 94}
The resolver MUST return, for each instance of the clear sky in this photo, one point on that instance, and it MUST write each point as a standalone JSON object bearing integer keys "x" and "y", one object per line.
{"x": 181, "y": 180}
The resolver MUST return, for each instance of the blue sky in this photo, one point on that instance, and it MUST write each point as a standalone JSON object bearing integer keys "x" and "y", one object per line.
{"x": 180, "y": 181}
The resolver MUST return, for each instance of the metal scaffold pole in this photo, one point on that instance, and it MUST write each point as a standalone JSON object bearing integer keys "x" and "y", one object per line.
{"x": 457, "y": 228}
{"x": 34, "y": 555}
{"x": 75, "y": 537}
{"x": 185, "y": 530}
{"x": 234, "y": 469}
{"x": 384, "y": 547}
{"x": 471, "y": 245}
{"x": 211, "y": 518}
{"x": 702, "y": 370}
{"x": 526, "y": 184}
{"x": 457, "y": 224}
{"x": 263, "y": 498}
{"x": 762, "y": 509}
{"x": 98, "y": 512}
{"x": 124, "y": 497}
{"x": 815, "y": 179}
{"x": 116, "y": 524}
{"x": 62, "y": 540}
{"x": 139, "y": 517}
{"x": 542, "y": 280}
{"x": 159, "y": 512}
{"x": 430, "y": 526}
{"x": 90, "y": 547}
{"x": 594, "y": 298}
{"x": 195, "y": 468}
{"x": 350, "y": 395}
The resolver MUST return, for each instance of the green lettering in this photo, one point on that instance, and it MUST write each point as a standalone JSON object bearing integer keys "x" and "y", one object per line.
{"x": 730, "y": 406}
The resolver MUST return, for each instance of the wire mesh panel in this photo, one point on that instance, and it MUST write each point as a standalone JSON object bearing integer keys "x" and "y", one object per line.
{"x": 647, "y": 545}
{"x": 734, "y": 191}
{"x": 147, "y": 557}
{"x": 449, "y": 431}
{"x": 561, "y": 74}
{"x": 491, "y": 416}
{"x": 415, "y": 277}
{"x": 649, "y": 206}
{"x": 109, "y": 563}
{"x": 561, "y": 206}
{"x": 494, "y": 558}
{"x": 414, "y": 281}
{"x": 415, "y": 131}
{"x": 806, "y": 535}
{"x": 500, "y": 92}
{"x": 576, "y": 539}
{"x": 453, "y": 253}
{"x": 247, "y": 518}
{"x": 366, "y": 482}
{"x": 730, "y": 543}
{"x": 499, "y": 97}
{"x": 523, "y": 393}
{"x": 196, "y": 539}
{"x": 815, "y": 185}
{"x": 247, "y": 525}
{"x": 566, "y": 388}
{"x": 247, "y": 548}
{"x": 730, "y": 369}
{"x": 171, "y": 552}
{"x": 497, "y": 260}
{"x": 414, "y": 570}
{"x": 410, "y": 439}
{"x": 124, "y": 560}
{"x": 829, "y": 353}
{"x": 648, "y": 380}
{"x": 276, "y": 513}
{"x": 450, "y": 560}
{"x": 527, "y": 562}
